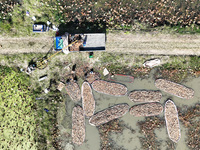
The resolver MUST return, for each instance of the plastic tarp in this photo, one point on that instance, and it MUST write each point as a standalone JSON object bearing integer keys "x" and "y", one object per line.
{"x": 58, "y": 43}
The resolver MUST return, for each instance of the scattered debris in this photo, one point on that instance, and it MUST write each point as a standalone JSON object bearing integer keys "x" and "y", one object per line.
{"x": 82, "y": 70}
{"x": 42, "y": 77}
{"x": 46, "y": 91}
{"x": 60, "y": 86}
{"x": 92, "y": 76}
{"x": 109, "y": 88}
{"x": 27, "y": 13}
{"x": 48, "y": 23}
{"x": 172, "y": 121}
{"x": 152, "y": 63}
{"x": 21, "y": 69}
{"x": 109, "y": 114}
{"x": 105, "y": 72}
{"x": 78, "y": 125}
{"x": 145, "y": 96}
{"x": 88, "y": 101}
{"x": 39, "y": 98}
{"x": 55, "y": 28}
{"x": 30, "y": 68}
{"x": 73, "y": 91}
{"x": 174, "y": 88}
{"x": 148, "y": 109}
{"x": 46, "y": 110}
{"x": 33, "y": 18}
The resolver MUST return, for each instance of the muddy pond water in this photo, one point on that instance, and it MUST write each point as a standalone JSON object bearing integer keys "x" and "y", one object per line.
{"x": 127, "y": 139}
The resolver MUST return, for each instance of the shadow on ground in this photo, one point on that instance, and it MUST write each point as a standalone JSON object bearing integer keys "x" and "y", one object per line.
{"x": 82, "y": 27}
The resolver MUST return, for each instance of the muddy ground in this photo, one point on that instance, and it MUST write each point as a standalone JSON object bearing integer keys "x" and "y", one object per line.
{"x": 129, "y": 132}
{"x": 139, "y": 43}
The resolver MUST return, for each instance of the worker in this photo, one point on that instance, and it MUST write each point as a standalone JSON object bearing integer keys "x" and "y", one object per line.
{"x": 75, "y": 79}
{"x": 68, "y": 81}
{"x": 91, "y": 71}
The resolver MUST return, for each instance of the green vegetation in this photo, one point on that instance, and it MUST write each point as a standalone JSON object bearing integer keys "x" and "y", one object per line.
{"x": 24, "y": 123}
{"x": 114, "y": 62}
{"x": 13, "y": 21}
{"x": 183, "y": 62}
{"x": 18, "y": 123}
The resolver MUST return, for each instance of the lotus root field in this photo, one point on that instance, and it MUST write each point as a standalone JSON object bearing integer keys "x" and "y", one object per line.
{"x": 118, "y": 12}
{"x": 115, "y": 13}
{"x": 103, "y": 131}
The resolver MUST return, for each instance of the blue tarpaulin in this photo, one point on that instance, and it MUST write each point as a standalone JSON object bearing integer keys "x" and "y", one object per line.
{"x": 58, "y": 43}
{"x": 46, "y": 110}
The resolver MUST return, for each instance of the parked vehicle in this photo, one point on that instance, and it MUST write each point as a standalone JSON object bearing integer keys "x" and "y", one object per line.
{"x": 40, "y": 28}
{"x": 88, "y": 42}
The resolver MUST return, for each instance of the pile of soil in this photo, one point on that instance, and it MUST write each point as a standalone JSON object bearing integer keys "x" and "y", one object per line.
{"x": 172, "y": 121}
{"x": 109, "y": 88}
{"x": 88, "y": 101}
{"x": 145, "y": 96}
{"x": 109, "y": 114}
{"x": 174, "y": 88}
{"x": 78, "y": 125}
{"x": 148, "y": 109}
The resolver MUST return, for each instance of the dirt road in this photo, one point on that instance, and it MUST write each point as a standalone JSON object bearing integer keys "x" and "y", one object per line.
{"x": 149, "y": 43}
{"x": 154, "y": 44}
{"x": 10, "y": 45}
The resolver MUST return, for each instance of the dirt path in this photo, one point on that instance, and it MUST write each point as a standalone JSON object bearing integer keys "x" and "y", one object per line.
{"x": 164, "y": 44}
{"x": 25, "y": 45}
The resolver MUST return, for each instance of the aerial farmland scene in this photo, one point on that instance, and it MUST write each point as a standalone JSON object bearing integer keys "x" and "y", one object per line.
{"x": 99, "y": 75}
